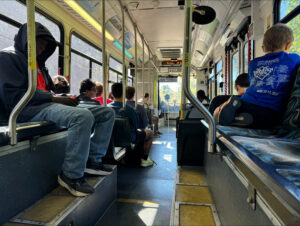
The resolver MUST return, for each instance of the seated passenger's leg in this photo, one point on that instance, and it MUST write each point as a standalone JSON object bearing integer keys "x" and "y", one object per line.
{"x": 104, "y": 122}
{"x": 79, "y": 123}
{"x": 146, "y": 161}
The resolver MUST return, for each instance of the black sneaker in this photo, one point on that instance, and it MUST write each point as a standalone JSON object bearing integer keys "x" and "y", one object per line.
{"x": 77, "y": 187}
{"x": 227, "y": 114}
{"x": 98, "y": 169}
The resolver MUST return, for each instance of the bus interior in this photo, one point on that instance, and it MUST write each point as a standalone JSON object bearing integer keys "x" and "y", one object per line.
{"x": 202, "y": 173}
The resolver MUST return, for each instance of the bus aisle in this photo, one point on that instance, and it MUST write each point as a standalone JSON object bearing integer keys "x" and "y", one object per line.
{"x": 145, "y": 194}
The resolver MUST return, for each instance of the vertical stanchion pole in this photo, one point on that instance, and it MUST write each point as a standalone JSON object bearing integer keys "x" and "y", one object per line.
{"x": 136, "y": 64}
{"x": 32, "y": 78}
{"x": 104, "y": 55}
{"x": 143, "y": 68}
{"x": 123, "y": 56}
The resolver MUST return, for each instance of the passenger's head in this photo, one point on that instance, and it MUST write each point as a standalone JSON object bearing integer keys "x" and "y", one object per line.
{"x": 278, "y": 38}
{"x": 242, "y": 83}
{"x": 99, "y": 89}
{"x": 45, "y": 42}
{"x": 146, "y": 97}
{"x": 130, "y": 91}
{"x": 117, "y": 90}
{"x": 61, "y": 84}
{"x": 201, "y": 95}
{"x": 88, "y": 87}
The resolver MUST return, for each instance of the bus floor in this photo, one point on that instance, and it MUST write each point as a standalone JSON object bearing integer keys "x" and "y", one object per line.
{"x": 145, "y": 194}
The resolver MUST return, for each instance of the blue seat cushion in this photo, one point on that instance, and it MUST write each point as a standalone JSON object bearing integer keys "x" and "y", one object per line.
{"x": 238, "y": 131}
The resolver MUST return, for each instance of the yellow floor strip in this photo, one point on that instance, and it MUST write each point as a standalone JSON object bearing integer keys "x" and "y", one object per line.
{"x": 13, "y": 224}
{"x": 192, "y": 215}
{"x": 144, "y": 202}
{"x": 190, "y": 177}
{"x": 48, "y": 208}
{"x": 193, "y": 194}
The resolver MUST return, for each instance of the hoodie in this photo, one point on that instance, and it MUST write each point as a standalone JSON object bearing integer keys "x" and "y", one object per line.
{"x": 14, "y": 74}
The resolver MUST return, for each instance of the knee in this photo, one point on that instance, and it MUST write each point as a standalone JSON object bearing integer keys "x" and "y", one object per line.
{"x": 84, "y": 116}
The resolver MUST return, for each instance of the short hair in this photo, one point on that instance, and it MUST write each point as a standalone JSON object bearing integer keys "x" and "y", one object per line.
{"x": 277, "y": 36}
{"x": 86, "y": 84}
{"x": 146, "y": 95}
{"x": 201, "y": 94}
{"x": 99, "y": 89}
{"x": 130, "y": 91}
{"x": 242, "y": 80}
{"x": 117, "y": 90}
{"x": 61, "y": 84}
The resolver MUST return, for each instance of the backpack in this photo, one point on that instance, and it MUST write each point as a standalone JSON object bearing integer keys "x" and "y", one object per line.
{"x": 291, "y": 118}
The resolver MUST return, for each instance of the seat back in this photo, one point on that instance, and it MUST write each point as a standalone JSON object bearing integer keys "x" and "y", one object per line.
{"x": 3, "y": 115}
{"x": 291, "y": 118}
{"x": 217, "y": 101}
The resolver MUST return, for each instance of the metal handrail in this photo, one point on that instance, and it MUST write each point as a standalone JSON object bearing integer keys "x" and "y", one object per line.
{"x": 32, "y": 79}
{"x": 104, "y": 55}
{"x": 185, "y": 78}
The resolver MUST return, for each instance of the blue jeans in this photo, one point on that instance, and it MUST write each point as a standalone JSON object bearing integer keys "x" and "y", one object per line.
{"x": 81, "y": 142}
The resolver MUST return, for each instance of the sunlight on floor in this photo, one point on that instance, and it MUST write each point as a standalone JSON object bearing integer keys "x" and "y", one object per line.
{"x": 147, "y": 215}
{"x": 168, "y": 158}
{"x": 169, "y": 146}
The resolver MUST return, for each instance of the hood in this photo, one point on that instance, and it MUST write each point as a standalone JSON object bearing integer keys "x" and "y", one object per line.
{"x": 41, "y": 31}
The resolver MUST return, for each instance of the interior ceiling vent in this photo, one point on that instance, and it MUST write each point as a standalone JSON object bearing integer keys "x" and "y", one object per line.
{"x": 172, "y": 53}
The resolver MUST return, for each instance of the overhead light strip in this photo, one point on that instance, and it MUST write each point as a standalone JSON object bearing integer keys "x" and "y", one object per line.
{"x": 120, "y": 47}
{"x": 86, "y": 16}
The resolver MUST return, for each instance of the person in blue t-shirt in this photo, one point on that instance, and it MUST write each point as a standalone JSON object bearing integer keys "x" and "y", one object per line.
{"x": 270, "y": 78}
{"x": 138, "y": 136}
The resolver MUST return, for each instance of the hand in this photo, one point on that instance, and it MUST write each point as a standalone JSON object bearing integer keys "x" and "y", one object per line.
{"x": 65, "y": 100}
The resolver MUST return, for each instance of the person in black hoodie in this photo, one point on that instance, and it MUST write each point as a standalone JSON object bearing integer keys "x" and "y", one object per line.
{"x": 83, "y": 152}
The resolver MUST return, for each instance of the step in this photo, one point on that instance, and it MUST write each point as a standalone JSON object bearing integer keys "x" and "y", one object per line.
{"x": 61, "y": 208}
{"x": 192, "y": 202}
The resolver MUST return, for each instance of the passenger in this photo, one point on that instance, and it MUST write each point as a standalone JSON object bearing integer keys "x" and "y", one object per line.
{"x": 201, "y": 96}
{"x": 270, "y": 79}
{"x": 83, "y": 152}
{"x": 241, "y": 85}
{"x": 137, "y": 136}
{"x": 99, "y": 94}
{"x": 87, "y": 91}
{"x": 142, "y": 115}
{"x": 151, "y": 117}
{"x": 61, "y": 85}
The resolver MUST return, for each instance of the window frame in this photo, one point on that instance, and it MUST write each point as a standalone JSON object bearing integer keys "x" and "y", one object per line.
{"x": 294, "y": 13}
{"x": 61, "y": 44}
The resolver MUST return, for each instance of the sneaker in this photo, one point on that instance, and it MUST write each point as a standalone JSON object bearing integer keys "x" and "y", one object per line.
{"x": 146, "y": 163}
{"x": 159, "y": 133}
{"x": 77, "y": 187}
{"x": 97, "y": 169}
{"x": 227, "y": 113}
{"x": 242, "y": 119}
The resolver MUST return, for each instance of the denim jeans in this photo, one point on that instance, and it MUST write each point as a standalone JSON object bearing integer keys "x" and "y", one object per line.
{"x": 81, "y": 142}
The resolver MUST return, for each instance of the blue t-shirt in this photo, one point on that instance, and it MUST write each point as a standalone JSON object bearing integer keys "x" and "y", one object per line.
{"x": 128, "y": 112}
{"x": 270, "y": 79}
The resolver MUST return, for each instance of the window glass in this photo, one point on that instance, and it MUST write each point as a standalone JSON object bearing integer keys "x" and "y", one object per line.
{"x": 246, "y": 57}
{"x": 79, "y": 71}
{"x": 120, "y": 77}
{"x": 97, "y": 74}
{"x": 219, "y": 66}
{"x": 170, "y": 96}
{"x": 115, "y": 65}
{"x": 294, "y": 25}
{"x": 286, "y": 6}
{"x": 235, "y": 70}
{"x": 85, "y": 48}
{"x": 212, "y": 86}
{"x": 193, "y": 85}
{"x": 113, "y": 76}
{"x": 7, "y": 33}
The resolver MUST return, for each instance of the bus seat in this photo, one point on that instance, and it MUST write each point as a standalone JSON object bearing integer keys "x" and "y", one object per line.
{"x": 3, "y": 116}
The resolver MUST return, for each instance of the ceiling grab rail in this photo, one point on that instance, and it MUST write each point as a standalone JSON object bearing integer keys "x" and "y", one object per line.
{"x": 186, "y": 74}
{"x": 32, "y": 79}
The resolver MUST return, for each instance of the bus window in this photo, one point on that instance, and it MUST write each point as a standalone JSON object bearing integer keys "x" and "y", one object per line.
{"x": 170, "y": 95}
{"x": 7, "y": 32}
{"x": 84, "y": 56}
{"x": 285, "y": 7}
{"x": 120, "y": 78}
{"x": 115, "y": 65}
{"x": 97, "y": 73}
{"x": 113, "y": 77}
{"x": 79, "y": 71}
{"x": 246, "y": 57}
{"x": 219, "y": 77}
{"x": 234, "y": 70}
